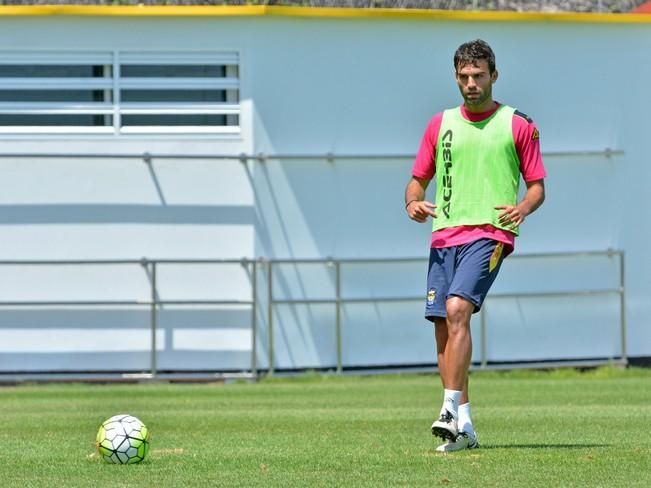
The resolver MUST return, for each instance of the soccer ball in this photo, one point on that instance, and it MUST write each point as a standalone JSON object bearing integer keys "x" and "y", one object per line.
{"x": 123, "y": 439}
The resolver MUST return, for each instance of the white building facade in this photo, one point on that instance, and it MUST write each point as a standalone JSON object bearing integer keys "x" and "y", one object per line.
{"x": 155, "y": 161}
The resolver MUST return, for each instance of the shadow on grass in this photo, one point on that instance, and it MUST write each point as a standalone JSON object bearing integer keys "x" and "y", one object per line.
{"x": 542, "y": 446}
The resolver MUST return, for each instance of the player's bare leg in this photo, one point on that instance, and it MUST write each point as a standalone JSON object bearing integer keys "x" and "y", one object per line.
{"x": 458, "y": 350}
{"x": 441, "y": 336}
{"x": 454, "y": 351}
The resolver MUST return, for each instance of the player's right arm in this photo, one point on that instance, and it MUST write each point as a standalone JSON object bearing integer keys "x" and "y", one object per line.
{"x": 417, "y": 208}
{"x": 422, "y": 173}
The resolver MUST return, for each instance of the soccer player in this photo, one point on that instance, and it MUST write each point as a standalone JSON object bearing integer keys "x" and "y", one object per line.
{"x": 477, "y": 153}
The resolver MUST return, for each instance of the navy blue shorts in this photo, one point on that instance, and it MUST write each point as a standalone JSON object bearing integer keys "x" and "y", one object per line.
{"x": 465, "y": 271}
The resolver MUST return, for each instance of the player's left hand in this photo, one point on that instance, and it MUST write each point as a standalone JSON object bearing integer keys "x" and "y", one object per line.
{"x": 510, "y": 215}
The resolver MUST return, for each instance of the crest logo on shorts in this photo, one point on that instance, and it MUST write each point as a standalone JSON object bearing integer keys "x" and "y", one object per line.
{"x": 431, "y": 296}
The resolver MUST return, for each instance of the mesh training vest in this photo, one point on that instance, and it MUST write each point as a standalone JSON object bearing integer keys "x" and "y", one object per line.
{"x": 477, "y": 168}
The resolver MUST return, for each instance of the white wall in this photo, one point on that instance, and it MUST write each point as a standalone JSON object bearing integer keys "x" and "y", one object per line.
{"x": 348, "y": 86}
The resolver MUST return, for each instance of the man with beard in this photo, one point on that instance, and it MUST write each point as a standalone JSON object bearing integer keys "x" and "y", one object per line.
{"x": 477, "y": 152}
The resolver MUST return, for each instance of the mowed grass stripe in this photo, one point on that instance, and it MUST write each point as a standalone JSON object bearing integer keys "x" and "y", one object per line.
{"x": 560, "y": 428}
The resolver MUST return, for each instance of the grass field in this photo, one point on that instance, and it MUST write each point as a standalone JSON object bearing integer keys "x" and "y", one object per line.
{"x": 554, "y": 429}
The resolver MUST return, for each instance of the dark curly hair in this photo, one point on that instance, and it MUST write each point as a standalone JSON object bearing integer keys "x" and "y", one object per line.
{"x": 470, "y": 52}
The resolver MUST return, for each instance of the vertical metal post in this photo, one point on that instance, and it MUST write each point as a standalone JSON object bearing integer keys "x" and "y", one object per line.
{"x": 622, "y": 306}
{"x": 270, "y": 313}
{"x": 154, "y": 318}
{"x": 338, "y": 315}
{"x": 117, "y": 97}
{"x": 254, "y": 316}
{"x": 482, "y": 325}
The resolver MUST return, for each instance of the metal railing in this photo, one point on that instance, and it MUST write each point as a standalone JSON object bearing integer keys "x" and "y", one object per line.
{"x": 253, "y": 267}
{"x": 619, "y": 290}
{"x": 338, "y": 300}
{"x": 262, "y": 157}
{"x": 154, "y": 302}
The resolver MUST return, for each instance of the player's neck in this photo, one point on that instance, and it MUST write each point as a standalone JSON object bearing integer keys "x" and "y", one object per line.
{"x": 487, "y": 106}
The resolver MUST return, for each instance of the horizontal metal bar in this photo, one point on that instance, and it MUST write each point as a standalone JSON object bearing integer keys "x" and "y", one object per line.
{"x": 49, "y": 84}
{"x": 606, "y": 152}
{"x": 71, "y": 107}
{"x": 179, "y": 108}
{"x": 191, "y": 376}
{"x": 81, "y": 303}
{"x": 144, "y": 261}
{"x": 552, "y": 294}
{"x": 246, "y": 261}
{"x": 568, "y": 254}
{"x": 562, "y": 254}
{"x": 201, "y": 261}
{"x": 58, "y": 57}
{"x": 305, "y": 301}
{"x": 125, "y": 109}
{"x": 52, "y": 129}
{"x": 42, "y": 262}
{"x": 203, "y": 302}
{"x": 180, "y": 129}
{"x": 68, "y": 303}
{"x": 90, "y": 84}
{"x": 381, "y": 299}
{"x": 59, "y": 111}
{"x": 261, "y": 157}
{"x": 128, "y": 83}
{"x": 346, "y": 260}
{"x": 76, "y": 108}
{"x": 553, "y": 364}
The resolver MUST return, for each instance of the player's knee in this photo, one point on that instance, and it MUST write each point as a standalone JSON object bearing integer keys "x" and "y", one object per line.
{"x": 458, "y": 312}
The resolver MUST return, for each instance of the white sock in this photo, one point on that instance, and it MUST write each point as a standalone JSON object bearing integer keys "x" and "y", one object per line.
{"x": 465, "y": 422}
{"x": 451, "y": 400}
